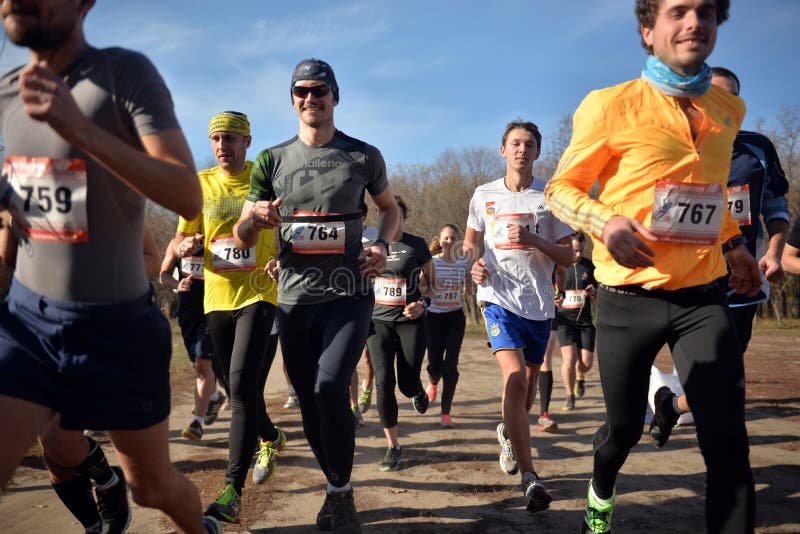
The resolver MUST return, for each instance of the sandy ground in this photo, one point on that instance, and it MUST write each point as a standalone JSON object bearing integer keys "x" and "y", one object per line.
{"x": 450, "y": 480}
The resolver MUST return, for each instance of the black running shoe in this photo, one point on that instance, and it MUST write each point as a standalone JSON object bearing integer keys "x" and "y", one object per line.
{"x": 580, "y": 387}
{"x": 213, "y": 410}
{"x": 421, "y": 402}
{"x": 344, "y": 518}
{"x": 665, "y": 417}
{"x": 112, "y": 503}
{"x": 391, "y": 462}
{"x": 536, "y": 496}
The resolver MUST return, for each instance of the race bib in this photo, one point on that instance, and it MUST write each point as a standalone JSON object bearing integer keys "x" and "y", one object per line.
{"x": 50, "y": 195}
{"x": 390, "y": 291}
{"x": 317, "y": 237}
{"x": 574, "y": 299}
{"x": 500, "y": 228}
{"x": 448, "y": 296}
{"x": 193, "y": 266}
{"x": 739, "y": 203}
{"x": 687, "y": 213}
{"x": 225, "y": 257}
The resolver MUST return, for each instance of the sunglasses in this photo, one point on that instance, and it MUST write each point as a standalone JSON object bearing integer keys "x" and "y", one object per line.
{"x": 318, "y": 91}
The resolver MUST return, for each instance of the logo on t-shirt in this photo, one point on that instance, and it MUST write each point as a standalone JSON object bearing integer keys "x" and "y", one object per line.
{"x": 490, "y": 208}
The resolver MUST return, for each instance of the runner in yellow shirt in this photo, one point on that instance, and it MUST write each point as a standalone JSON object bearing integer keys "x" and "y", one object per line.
{"x": 239, "y": 303}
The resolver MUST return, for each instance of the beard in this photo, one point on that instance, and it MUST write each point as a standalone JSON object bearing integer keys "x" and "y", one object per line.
{"x": 38, "y": 36}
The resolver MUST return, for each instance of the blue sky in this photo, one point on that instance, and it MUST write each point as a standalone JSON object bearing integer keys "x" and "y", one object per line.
{"x": 418, "y": 77}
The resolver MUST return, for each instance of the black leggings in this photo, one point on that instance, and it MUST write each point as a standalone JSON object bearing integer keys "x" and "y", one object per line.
{"x": 240, "y": 339}
{"x": 696, "y": 324}
{"x": 406, "y": 339}
{"x": 321, "y": 345}
{"x": 445, "y": 333}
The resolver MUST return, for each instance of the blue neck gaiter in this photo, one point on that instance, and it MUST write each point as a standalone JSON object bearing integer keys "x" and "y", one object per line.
{"x": 669, "y": 82}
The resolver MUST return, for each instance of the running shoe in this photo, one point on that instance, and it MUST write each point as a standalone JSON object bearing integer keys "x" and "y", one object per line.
{"x": 580, "y": 387}
{"x": 213, "y": 409}
{"x": 508, "y": 462}
{"x": 391, "y": 462}
{"x": 268, "y": 451}
{"x": 344, "y": 518}
{"x": 431, "y": 391}
{"x": 597, "y": 519}
{"x": 546, "y": 424}
{"x": 291, "y": 402}
{"x": 324, "y": 517}
{"x": 664, "y": 418}
{"x": 536, "y": 497}
{"x": 194, "y": 431}
{"x": 212, "y": 525}
{"x": 358, "y": 418}
{"x": 227, "y": 507}
{"x": 366, "y": 400}
{"x": 569, "y": 404}
{"x": 421, "y": 402}
{"x": 112, "y": 503}
{"x": 447, "y": 421}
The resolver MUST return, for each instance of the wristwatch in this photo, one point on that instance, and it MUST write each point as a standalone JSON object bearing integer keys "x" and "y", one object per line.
{"x": 425, "y": 301}
{"x": 732, "y": 243}
{"x": 384, "y": 243}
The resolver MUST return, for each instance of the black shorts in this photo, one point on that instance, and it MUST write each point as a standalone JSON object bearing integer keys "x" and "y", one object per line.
{"x": 577, "y": 333}
{"x": 196, "y": 339}
{"x": 101, "y": 366}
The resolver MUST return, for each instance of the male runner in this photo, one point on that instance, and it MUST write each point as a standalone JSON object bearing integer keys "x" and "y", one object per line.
{"x": 239, "y": 303}
{"x": 523, "y": 242}
{"x": 576, "y": 330}
{"x": 660, "y": 147}
{"x": 81, "y": 333}
{"x": 311, "y": 188}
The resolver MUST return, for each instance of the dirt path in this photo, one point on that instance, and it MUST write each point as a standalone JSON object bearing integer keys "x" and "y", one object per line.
{"x": 451, "y": 482}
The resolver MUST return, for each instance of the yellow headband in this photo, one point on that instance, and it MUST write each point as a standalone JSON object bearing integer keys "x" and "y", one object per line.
{"x": 229, "y": 121}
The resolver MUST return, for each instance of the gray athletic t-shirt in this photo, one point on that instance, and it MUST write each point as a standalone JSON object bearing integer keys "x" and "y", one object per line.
{"x": 322, "y": 189}
{"x": 83, "y": 251}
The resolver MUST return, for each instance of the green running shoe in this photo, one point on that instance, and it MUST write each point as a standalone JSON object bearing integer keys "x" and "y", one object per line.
{"x": 227, "y": 507}
{"x": 264, "y": 469}
{"x": 366, "y": 400}
{"x": 598, "y": 516}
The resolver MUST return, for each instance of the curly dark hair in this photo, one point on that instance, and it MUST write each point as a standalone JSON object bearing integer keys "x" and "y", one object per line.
{"x": 647, "y": 11}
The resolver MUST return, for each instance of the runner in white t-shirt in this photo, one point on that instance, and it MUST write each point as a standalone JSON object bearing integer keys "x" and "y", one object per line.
{"x": 523, "y": 241}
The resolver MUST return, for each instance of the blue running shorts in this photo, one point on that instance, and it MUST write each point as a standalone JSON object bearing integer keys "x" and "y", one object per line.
{"x": 508, "y": 331}
{"x": 101, "y": 366}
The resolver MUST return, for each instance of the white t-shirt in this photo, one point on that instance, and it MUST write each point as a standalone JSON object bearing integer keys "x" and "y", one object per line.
{"x": 450, "y": 283}
{"x": 520, "y": 278}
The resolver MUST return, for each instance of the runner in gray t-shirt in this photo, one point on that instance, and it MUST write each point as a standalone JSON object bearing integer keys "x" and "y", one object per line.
{"x": 311, "y": 188}
{"x": 89, "y": 134}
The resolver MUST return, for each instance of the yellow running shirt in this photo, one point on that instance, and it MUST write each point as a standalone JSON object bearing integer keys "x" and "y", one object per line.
{"x": 636, "y": 142}
{"x": 233, "y": 278}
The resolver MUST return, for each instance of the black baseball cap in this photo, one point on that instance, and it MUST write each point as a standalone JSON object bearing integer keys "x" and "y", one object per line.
{"x": 316, "y": 69}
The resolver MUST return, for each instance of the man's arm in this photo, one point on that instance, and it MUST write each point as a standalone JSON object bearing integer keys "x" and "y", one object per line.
{"x": 790, "y": 259}
{"x": 770, "y": 263}
{"x": 164, "y": 172}
{"x": 373, "y": 258}
{"x": 560, "y": 252}
{"x": 168, "y": 265}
